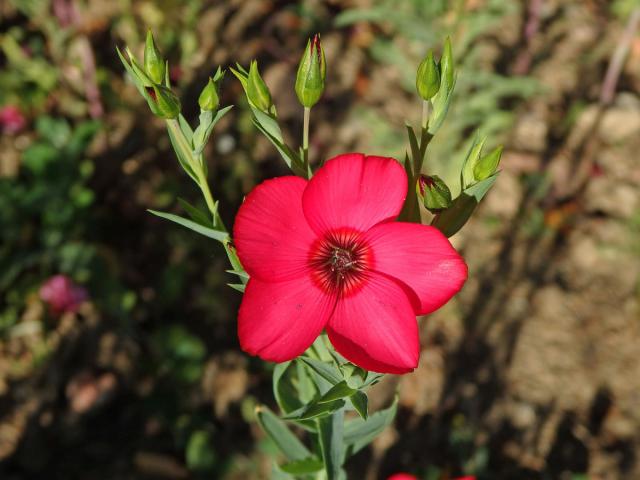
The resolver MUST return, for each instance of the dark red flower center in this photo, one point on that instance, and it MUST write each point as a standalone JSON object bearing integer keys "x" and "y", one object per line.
{"x": 340, "y": 261}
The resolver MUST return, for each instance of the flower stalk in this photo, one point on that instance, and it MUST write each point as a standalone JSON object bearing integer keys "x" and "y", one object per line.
{"x": 305, "y": 136}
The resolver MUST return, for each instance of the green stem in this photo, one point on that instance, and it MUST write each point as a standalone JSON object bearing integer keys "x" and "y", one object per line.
{"x": 185, "y": 149}
{"x": 305, "y": 137}
{"x": 426, "y": 110}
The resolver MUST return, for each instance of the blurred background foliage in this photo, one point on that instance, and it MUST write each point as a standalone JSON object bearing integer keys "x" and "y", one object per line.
{"x": 528, "y": 374}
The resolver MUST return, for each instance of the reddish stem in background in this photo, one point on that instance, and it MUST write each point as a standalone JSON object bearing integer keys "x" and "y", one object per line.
{"x": 618, "y": 58}
{"x": 67, "y": 14}
{"x": 531, "y": 28}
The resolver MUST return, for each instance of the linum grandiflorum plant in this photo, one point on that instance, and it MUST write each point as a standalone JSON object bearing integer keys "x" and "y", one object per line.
{"x": 335, "y": 263}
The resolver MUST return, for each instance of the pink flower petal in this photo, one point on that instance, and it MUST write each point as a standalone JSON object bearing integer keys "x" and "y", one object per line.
{"x": 402, "y": 476}
{"x": 354, "y": 191}
{"x": 422, "y": 258}
{"x": 376, "y": 328}
{"x": 270, "y": 232}
{"x": 279, "y": 321}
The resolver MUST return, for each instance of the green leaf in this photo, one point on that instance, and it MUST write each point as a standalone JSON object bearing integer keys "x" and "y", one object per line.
{"x": 278, "y": 474}
{"x": 307, "y": 385}
{"x": 473, "y": 156}
{"x": 238, "y": 286}
{"x": 413, "y": 143}
{"x": 360, "y": 402}
{"x": 195, "y": 213}
{"x": 196, "y": 227}
{"x": 292, "y": 160}
{"x": 359, "y": 433}
{"x": 203, "y": 137}
{"x": 285, "y": 440}
{"x": 450, "y": 221}
{"x": 240, "y": 273}
{"x": 330, "y": 436}
{"x": 200, "y": 454}
{"x": 441, "y": 102}
{"x": 339, "y": 390}
{"x": 325, "y": 370}
{"x": 283, "y": 388}
{"x": 303, "y": 467}
{"x": 186, "y": 128}
{"x": 354, "y": 375}
{"x": 319, "y": 347}
{"x": 269, "y": 123}
{"x": 315, "y": 410}
{"x": 184, "y": 162}
{"x": 372, "y": 378}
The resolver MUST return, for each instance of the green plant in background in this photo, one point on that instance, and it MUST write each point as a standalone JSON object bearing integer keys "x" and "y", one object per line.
{"x": 405, "y": 28}
{"x": 44, "y": 213}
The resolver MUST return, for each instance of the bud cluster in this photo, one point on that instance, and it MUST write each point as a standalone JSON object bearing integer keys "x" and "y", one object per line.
{"x": 152, "y": 80}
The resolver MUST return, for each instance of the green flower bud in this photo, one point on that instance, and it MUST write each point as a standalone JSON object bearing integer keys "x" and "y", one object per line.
{"x": 487, "y": 165}
{"x": 433, "y": 192}
{"x": 447, "y": 66}
{"x": 209, "y": 98}
{"x": 311, "y": 73}
{"x": 153, "y": 62}
{"x": 257, "y": 91}
{"x": 428, "y": 77}
{"x": 163, "y": 102}
{"x": 470, "y": 162}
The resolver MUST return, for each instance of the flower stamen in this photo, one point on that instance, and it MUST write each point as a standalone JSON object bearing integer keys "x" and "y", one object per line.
{"x": 340, "y": 261}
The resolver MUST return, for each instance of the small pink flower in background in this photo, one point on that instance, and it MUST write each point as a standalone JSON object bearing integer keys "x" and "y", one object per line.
{"x": 12, "y": 120}
{"x": 402, "y": 476}
{"x": 326, "y": 254}
{"x": 407, "y": 476}
{"x": 62, "y": 294}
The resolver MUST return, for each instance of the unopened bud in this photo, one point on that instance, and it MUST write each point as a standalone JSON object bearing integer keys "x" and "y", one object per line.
{"x": 257, "y": 91}
{"x": 428, "y": 77}
{"x": 447, "y": 66}
{"x": 487, "y": 165}
{"x": 163, "y": 102}
{"x": 433, "y": 192}
{"x": 311, "y": 73}
{"x": 209, "y": 98}
{"x": 470, "y": 162}
{"x": 154, "y": 64}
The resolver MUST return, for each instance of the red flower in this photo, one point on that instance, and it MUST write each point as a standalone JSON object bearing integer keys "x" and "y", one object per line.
{"x": 12, "y": 120}
{"x": 402, "y": 476}
{"x": 326, "y": 254}
{"x": 62, "y": 294}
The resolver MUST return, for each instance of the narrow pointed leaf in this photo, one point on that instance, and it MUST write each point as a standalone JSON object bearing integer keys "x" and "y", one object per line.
{"x": 195, "y": 213}
{"x": 338, "y": 391}
{"x": 283, "y": 388}
{"x": 191, "y": 225}
{"x": 286, "y": 441}
{"x": 303, "y": 467}
{"x": 240, "y": 273}
{"x": 186, "y": 128}
{"x": 325, "y": 370}
{"x": 454, "y": 218}
{"x": 359, "y": 433}
{"x": 315, "y": 410}
{"x": 413, "y": 143}
{"x": 238, "y": 286}
{"x": 360, "y": 402}
{"x": 184, "y": 162}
